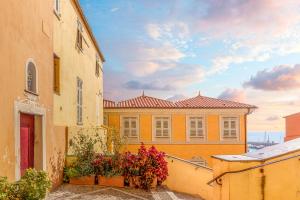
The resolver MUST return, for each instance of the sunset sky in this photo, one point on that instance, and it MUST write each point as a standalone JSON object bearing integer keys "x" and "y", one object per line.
{"x": 241, "y": 50}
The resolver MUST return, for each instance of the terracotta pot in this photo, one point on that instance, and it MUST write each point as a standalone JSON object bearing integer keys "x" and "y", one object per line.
{"x": 115, "y": 181}
{"x": 83, "y": 180}
{"x": 135, "y": 181}
{"x": 154, "y": 183}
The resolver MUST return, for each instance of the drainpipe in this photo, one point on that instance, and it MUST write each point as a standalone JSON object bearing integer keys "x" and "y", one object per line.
{"x": 263, "y": 183}
{"x": 245, "y": 122}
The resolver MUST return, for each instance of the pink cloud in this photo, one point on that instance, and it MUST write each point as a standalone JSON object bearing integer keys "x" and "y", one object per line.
{"x": 233, "y": 95}
{"x": 281, "y": 77}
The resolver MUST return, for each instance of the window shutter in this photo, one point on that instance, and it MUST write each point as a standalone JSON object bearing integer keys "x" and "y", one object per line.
{"x": 56, "y": 74}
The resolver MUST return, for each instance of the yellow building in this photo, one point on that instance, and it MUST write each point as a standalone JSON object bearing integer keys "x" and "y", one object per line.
{"x": 78, "y": 80}
{"x": 271, "y": 173}
{"x": 192, "y": 129}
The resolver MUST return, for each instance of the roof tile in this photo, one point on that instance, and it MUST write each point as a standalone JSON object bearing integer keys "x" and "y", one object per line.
{"x": 195, "y": 102}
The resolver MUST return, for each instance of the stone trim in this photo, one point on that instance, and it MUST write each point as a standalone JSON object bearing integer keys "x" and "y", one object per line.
{"x": 28, "y": 107}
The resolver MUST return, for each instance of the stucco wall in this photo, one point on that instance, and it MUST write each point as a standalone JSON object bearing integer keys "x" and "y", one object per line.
{"x": 75, "y": 63}
{"x": 192, "y": 181}
{"x": 27, "y": 32}
{"x": 277, "y": 181}
{"x": 179, "y": 146}
{"x": 292, "y": 126}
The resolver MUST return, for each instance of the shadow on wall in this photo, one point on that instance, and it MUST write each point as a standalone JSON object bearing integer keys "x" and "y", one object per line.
{"x": 57, "y": 162}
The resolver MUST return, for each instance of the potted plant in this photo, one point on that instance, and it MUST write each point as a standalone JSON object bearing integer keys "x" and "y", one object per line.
{"x": 109, "y": 170}
{"x": 78, "y": 175}
{"x": 81, "y": 172}
{"x": 146, "y": 169}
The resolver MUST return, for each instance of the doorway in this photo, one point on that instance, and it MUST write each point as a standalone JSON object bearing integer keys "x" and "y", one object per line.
{"x": 26, "y": 142}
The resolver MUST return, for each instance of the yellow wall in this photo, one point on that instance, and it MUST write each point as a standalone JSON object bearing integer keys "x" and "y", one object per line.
{"x": 28, "y": 33}
{"x": 192, "y": 181}
{"x": 73, "y": 64}
{"x": 281, "y": 180}
{"x": 179, "y": 146}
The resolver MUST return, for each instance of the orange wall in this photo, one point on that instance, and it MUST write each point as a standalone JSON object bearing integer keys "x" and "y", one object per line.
{"x": 178, "y": 146}
{"x": 292, "y": 126}
{"x": 26, "y": 33}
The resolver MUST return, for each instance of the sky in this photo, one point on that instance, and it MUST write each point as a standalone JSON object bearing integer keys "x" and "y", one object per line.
{"x": 240, "y": 50}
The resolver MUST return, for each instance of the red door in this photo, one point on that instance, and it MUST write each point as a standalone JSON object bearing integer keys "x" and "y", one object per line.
{"x": 26, "y": 142}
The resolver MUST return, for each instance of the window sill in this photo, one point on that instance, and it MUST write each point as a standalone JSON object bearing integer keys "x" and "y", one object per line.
{"x": 162, "y": 136}
{"x": 32, "y": 93}
{"x": 79, "y": 123}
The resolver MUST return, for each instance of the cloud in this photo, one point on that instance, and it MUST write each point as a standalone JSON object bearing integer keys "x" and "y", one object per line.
{"x": 136, "y": 85}
{"x": 233, "y": 95}
{"x": 177, "y": 97}
{"x": 114, "y": 9}
{"x": 153, "y": 31}
{"x": 281, "y": 77}
{"x": 272, "y": 118}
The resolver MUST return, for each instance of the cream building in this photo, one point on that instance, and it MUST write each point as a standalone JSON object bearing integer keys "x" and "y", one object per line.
{"x": 78, "y": 69}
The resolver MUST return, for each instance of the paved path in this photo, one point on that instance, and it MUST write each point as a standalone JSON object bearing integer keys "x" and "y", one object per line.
{"x": 72, "y": 192}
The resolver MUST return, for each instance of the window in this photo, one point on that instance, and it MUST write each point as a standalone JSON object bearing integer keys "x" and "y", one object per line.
{"x": 79, "y": 101}
{"x": 57, "y": 7}
{"x": 162, "y": 127}
{"x": 196, "y": 127}
{"x": 79, "y": 39}
{"x": 97, "y": 66}
{"x": 129, "y": 126}
{"x": 105, "y": 119}
{"x": 56, "y": 74}
{"x": 230, "y": 128}
{"x": 31, "y": 78}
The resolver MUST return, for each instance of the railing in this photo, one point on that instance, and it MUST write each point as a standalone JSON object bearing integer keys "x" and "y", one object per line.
{"x": 250, "y": 168}
{"x": 189, "y": 162}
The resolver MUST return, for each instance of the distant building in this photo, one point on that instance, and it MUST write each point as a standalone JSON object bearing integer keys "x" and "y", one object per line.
{"x": 292, "y": 126}
{"x": 192, "y": 129}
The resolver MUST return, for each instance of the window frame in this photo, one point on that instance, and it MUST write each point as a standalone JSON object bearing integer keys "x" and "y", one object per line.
{"x": 98, "y": 66}
{"x": 122, "y": 128}
{"x": 57, "y": 8}
{"x": 105, "y": 119}
{"x": 188, "y": 128}
{"x": 79, "y": 101}
{"x": 222, "y": 129}
{"x": 79, "y": 35}
{"x": 36, "y": 92}
{"x": 154, "y": 136}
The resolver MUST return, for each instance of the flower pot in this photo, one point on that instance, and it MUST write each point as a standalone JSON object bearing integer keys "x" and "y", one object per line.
{"x": 115, "y": 181}
{"x": 154, "y": 183}
{"x": 83, "y": 180}
{"x": 135, "y": 181}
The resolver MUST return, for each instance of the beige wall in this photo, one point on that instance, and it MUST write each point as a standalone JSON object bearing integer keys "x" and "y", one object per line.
{"x": 27, "y": 32}
{"x": 73, "y": 64}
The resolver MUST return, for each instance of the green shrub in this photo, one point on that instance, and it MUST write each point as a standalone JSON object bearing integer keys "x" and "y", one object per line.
{"x": 32, "y": 186}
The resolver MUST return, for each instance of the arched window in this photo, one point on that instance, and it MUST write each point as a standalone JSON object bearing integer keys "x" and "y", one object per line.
{"x": 31, "y": 77}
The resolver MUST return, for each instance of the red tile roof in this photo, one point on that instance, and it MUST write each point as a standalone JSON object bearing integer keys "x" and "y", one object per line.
{"x": 146, "y": 102}
{"x": 195, "y": 102}
{"x": 108, "y": 104}
{"x": 208, "y": 102}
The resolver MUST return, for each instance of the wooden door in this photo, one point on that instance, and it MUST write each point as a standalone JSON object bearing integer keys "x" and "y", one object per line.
{"x": 26, "y": 142}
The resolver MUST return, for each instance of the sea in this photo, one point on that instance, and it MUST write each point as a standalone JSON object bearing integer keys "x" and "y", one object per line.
{"x": 263, "y": 136}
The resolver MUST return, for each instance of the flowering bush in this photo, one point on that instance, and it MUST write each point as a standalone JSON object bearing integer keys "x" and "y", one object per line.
{"x": 148, "y": 164}
{"x": 108, "y": 165}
